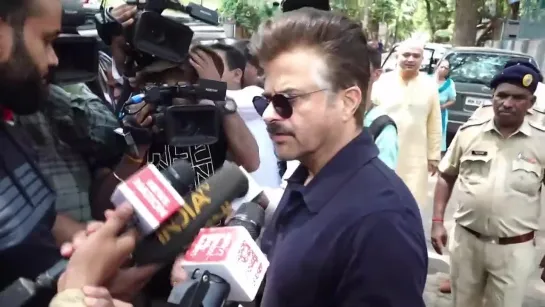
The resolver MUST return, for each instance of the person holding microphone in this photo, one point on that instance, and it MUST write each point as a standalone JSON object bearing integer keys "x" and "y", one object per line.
{"x": 95, "y": 257}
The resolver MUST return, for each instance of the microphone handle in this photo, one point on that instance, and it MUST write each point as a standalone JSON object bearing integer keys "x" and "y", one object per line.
{"x": 204, "y": 289}
{"x": 49, "y": 278}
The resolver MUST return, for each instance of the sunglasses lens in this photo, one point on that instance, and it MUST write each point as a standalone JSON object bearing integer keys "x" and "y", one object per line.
{"x": 281, "y": 104}
{"x": 260, "y": 104}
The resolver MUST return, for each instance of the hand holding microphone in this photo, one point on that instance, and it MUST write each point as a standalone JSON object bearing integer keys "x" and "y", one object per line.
{"x": 103, "y": 252}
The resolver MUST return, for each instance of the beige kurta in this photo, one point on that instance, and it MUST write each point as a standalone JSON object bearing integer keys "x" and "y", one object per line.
{"x": 414, "y": 106}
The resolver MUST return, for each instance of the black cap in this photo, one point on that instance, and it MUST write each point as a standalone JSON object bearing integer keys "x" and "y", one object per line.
{"x": 520, "y": 73}
{"x": 292, "y": 5}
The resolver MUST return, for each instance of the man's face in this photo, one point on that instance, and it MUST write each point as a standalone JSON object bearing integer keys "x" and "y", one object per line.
{"x": 316, "y": 111}
{"x": 375, "y": 74}
{"x": 410, "y": 58}
{"x": 26, "y": 56}
{"x": 232, "y": 77}
{"x": 251, "y": 75}
{"x": 511, "y": 103}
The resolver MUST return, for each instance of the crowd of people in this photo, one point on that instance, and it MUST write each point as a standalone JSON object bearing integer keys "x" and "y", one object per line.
{"x": 342, "y": 151}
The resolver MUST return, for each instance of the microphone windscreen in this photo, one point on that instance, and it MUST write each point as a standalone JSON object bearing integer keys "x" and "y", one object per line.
{"x": 180, "y": 175}
{"x": 251, "y": 216}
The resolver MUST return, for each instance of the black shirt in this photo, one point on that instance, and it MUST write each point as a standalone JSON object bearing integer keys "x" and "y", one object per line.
{"x": 205, "y": 159}
{"x": 27, "y": 246}
{"x": 351, "y": 237}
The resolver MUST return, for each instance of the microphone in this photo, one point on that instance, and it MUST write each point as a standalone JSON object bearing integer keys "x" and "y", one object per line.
{"x": 206, "y": 206}
{"x": 22, "y": 291}
{"x": 155, "y": 195}
{"x": 254, "y": 194}
{"x": 224, "y": 263}
{"x": 177, "y": 177}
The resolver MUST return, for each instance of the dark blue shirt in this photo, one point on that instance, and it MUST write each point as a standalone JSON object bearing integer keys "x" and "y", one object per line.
{"x": 351, "y": 237}
{"x": 27, "y": 246}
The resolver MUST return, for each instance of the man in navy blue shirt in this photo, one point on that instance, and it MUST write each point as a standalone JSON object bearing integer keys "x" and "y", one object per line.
{"x": 347, "y": 231}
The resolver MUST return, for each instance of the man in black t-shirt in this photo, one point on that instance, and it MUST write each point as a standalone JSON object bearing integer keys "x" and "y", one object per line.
{"x": 235, "y": 141}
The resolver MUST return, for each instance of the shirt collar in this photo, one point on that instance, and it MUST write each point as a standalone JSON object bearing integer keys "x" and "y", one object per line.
{"x": 336, "y": 172}
{"x": 524, "y": 128}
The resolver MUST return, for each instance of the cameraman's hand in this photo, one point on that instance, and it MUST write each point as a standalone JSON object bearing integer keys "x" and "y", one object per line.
{"x": 124, "y": 14}
{"x": 204, "y": 65}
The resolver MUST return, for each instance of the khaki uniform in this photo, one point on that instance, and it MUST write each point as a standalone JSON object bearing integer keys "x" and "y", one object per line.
{"x": 500, "y": 183}
{"x": 69, "y": 298}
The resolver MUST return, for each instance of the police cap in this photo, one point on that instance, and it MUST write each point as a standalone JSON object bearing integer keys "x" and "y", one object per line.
{"x": 520, "y": 73}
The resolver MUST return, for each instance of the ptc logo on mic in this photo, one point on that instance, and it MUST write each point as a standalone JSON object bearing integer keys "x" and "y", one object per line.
{"x": 232, "y": 254}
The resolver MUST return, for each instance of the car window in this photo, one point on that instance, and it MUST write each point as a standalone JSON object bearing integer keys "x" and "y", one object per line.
{"x": 477, "y": 68}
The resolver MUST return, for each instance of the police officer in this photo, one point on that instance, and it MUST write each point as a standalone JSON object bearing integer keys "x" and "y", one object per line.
{"x": 536, "y": 113}
{"x": 498, "y": 163}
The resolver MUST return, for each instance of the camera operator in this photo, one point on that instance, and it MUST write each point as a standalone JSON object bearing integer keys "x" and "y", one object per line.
{"x": 234, "y": 75}
{"x": 237, "y": 139}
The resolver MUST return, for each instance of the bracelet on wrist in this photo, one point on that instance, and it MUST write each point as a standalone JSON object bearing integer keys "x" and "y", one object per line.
{"x": 134, "y": 160}
{"x": 438, "y": 220}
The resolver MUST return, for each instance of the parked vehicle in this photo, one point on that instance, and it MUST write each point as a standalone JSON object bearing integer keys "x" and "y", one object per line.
{"x": 472, "y": 69}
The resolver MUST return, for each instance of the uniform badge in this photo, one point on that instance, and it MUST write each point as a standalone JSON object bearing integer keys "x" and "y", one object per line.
{"x": 481, "y": 153}
{"x": 527, "y": 80}
{"x": 522, "y": 157}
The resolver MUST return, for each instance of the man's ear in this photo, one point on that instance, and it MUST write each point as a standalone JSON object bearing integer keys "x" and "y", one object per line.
{"x": 238, "y": 73}
{"x": 533, "y": 101}
{"x": 352, "y": 98}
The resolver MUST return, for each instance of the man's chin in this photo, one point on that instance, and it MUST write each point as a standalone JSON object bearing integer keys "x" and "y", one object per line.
{"x": 23, "y": 101}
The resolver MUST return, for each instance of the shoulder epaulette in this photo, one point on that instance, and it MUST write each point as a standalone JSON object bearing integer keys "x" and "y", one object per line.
{"x": 536, "y": 125}
{"x": 539, "y": 109}
{"x": 474, "y": 122}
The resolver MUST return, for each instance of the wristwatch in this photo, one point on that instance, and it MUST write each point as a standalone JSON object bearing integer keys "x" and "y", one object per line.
{"x": 229, "y": 106}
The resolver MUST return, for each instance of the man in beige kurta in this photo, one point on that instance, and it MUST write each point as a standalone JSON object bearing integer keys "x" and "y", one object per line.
{"x": 411, "y": 99}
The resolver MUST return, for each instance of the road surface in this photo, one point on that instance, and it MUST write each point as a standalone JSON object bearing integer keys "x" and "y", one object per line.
{"x": 438, "y": 265}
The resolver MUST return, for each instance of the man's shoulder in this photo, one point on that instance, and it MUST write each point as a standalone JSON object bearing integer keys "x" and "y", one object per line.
{"x": 376, "y": 187}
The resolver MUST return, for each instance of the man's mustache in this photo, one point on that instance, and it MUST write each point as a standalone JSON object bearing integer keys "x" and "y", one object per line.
{"x": 274, "y": 128}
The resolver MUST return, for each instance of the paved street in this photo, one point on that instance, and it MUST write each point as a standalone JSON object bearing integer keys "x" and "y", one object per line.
{"x": 438, "y": 268}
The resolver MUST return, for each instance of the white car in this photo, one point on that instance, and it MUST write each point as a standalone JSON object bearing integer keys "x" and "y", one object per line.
{"x": 91, "y": 4}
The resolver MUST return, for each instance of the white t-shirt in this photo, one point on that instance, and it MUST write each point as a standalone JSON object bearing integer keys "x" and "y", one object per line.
{"x": 267, "y": 173}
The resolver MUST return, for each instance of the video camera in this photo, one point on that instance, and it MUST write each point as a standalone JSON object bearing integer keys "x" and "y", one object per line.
{"x": 153, "y": 35}
{"x": 156, "y": 37}
{"x": 188, "y": 124}
{"x": 78, "y": 55}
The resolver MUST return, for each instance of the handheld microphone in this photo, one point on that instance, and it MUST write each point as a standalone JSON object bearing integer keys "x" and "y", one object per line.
{"x": 22, "y": 291}
{"x": 229, "y": 257}
{"x": 154, "y": 195}
{"x": 204, "y": 207}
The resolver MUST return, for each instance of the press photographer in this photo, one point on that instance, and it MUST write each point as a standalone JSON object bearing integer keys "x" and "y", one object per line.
{"x": 197, "y": 64}
{"x": 234, "y": 138}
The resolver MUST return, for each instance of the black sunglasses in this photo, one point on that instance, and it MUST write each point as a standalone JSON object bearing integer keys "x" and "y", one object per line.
{"x": 282, "y": 103}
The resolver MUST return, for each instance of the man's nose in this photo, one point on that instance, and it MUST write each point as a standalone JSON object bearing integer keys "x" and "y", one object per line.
{"x": 52, "y": 59}
{"x": 270, "y": 114}
{"x": 508, "y": 102}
